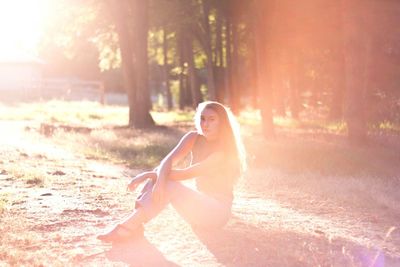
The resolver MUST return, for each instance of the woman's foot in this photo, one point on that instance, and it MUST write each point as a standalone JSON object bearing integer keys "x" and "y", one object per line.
{"x": 121, "y": 233}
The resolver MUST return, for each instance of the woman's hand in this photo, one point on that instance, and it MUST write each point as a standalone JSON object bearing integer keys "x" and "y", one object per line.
{"x": 140, "y": 178}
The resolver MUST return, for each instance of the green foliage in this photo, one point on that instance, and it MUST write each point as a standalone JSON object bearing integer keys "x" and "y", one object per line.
{"x": 81, "y": 41}
{"x": 302, "y": 156}
{"x": 109, "y": 53}
{"x": 4, "y": 201}
{"x": 386, "y": 126}
{"x": 77, "y": 113}
{"x": 173, "y": 117}
{"x": 136, "y": 156}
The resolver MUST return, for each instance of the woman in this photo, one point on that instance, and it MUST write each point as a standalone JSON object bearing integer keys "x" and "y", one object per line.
{"x": 217, "y": 161}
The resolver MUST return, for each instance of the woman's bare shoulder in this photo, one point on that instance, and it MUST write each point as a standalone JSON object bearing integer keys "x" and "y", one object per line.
{"x": 189, "y": 138}
{"x": 191, "y": 135}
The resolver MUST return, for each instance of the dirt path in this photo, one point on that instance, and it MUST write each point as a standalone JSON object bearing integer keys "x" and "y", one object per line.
{"x": 56, "y": 201}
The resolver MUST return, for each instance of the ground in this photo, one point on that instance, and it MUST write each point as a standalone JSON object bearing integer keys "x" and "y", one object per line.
{"x": 279, "y": 219}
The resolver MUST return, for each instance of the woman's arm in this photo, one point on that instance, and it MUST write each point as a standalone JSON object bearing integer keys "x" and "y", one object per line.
{"x": 179, "y": 152}
{"x": 210, "y": 165}
{"x": 163, "y": 170}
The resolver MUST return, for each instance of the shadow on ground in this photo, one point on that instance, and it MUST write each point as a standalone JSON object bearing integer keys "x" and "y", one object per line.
{"x": 244, "y": 244}
{"x": 139, "y": 252}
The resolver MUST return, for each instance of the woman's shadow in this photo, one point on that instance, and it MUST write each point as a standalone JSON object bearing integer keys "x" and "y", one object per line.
{"x": 231, "y": 246}
{"x": 138, "y": 252}
{"x": 242, "y": 244}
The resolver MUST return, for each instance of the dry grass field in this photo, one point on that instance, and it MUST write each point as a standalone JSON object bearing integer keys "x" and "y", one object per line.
{"x": 308, "y": 198}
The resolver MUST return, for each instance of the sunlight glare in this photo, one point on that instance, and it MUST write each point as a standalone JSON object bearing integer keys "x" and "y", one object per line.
{"x": 21, "y": 25}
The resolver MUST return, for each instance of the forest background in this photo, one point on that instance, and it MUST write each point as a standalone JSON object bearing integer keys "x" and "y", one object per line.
{"x": 313, "y": 83}
{"x": 334, "y": 60}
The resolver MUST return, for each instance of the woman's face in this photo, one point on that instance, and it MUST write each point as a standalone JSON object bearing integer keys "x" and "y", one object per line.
{"x": 210, "y": 123}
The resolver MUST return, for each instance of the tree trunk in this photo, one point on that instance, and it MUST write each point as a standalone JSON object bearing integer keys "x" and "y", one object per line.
{"x": 279, "y": 85}
{"x": 166, "y": 70}
{"x": 338, "y": 72}
{"x": 134, "y": 60}
{"x": 218, "y": 42}
{"x": 121, "y": 18}
{"x": 253, "y": 73}
{"x": 219, "y": 68}
{"x": 264, "y": 61}
{"x": 208, "y": 50}
{"x": 234, "y": 89}
{"x": 193, "y": 80}
{"x": 140, "y": 116}
{"x": 228, "y": 56}
{"x": 183, "y": 95}
{"x": 355, "y": 67}
{"x": 294, "y": 85}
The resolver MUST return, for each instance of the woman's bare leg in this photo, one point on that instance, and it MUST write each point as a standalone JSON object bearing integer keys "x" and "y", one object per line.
{"x": 135, "y": 220}
{"x": 195, "y": 207}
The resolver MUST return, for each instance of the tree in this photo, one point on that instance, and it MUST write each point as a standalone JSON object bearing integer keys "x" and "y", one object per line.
{"x": 131, "y": 22}
{"x": 355, "y": 40}
{"x": 166, "y": 68}
{"x": 205, "y": 39}
{"x": 263, "y": 29}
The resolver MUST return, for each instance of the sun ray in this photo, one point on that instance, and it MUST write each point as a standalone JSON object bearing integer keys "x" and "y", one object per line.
{"x": 21, "y": 25}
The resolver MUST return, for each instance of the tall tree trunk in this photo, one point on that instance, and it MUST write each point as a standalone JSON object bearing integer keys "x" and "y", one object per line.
{"x": 219, "y": 68}
{"x": 193, "y": 80}
{"x": 338, "y": 72}
{"x": 218, "y": 42}
{"x": 355, "y": 67}
{"x": 228, "y": 56}
{"x": 140, "y": 116}
{"x": 279, "y": 85}
{"x": 234, "y": 89}
{"x": 294, "y": 85}
{"x": 183, "y": 88}
{"x": 166, "y": 70}
{"x": 264, "y": 61}
{"x": 208, "y": 50}
{"x": 134, "y": 59}
{"x": 253, "y": 72}
{"x": 121, "y": 17}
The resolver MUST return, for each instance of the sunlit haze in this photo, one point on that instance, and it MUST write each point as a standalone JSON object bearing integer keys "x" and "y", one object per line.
{"x": 21, "y": 25}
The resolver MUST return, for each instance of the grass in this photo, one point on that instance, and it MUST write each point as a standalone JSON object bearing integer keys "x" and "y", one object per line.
{"x": 35, "y": 181}
{"x": 30, "y": 175}
{"x": 387, "y": 126}
{"x": 20, "y": 248}
{"x": 82, "y": 113}
{"x": 136, "y": 156}
{"x": 341, "y": 169}
{"x": 93, "y": 114}
{"x": 171, "y": 117}
{"x": 323, "y": 158}
{"x": 303, "y": 172}
{"x": 135, "y": 148}
{"x": 106, "y": 141}
{"x": 4, "y": 202}
{"x": 147, "y": 147}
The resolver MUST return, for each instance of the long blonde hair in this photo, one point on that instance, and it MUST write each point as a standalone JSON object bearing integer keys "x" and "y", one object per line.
{"x": 229, "y": 137}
